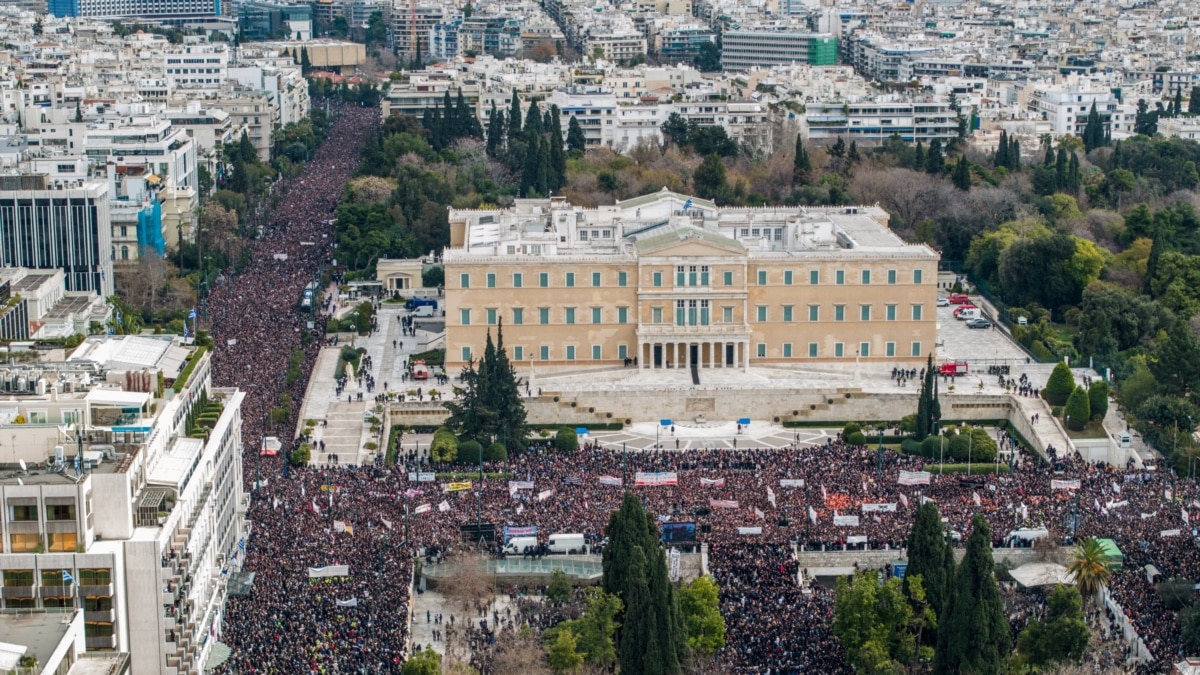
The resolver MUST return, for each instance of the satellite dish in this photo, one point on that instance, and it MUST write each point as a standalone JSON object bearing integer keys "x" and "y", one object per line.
{"x": 22, "y": 463}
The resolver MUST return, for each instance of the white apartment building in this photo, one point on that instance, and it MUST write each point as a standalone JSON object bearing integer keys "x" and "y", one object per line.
{"x": 871, "y": 122}
{"x": 1066, "y": 107}
{"x": 616, "y": 45}
{"x": 196, "y": 65}
{"x": 285, "y": 87}
{"x": 144, "y": 514}
{"x": 1180, "y": 127}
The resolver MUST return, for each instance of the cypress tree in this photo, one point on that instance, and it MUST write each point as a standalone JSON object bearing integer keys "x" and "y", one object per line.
{"x": 543, "y": 168}
{"x": 576, "y": 140}
{"x": 1178, "y": 107}
{"x": 652, "y": 635}
{"x": 514, "y": 120}
{"x": 468, "y": 124}
{"x": 1001, "y": 158}
{"x": 1158, "y": 246}
{"x": 529, "y": 175}
{"x": 1074, "y": 180}
{"x": 973, "y": 630}
{"x": 927, "y": 554}
{"x": 495, "y": 133}
{"x": 450, "y": 121}
{"x": 305, "y": 64}
{"x": 1060, "y": 169}
{"x": 919, "y": 157}
{"x": 1014, "y": 154}
{"x": 929, "y": 411}
{"x": 558, "y": 154}
{"x": 1048, "y": 146}
{"x": 1093, "y": 132}
{"x": 935, "y": 161}
{"x": 1194, "y": 101}
{"x": 802, "y": 164}
{"x": 962, "y": 174}
{"x": 533, "y": 122}
{"x": 546, "y": 120}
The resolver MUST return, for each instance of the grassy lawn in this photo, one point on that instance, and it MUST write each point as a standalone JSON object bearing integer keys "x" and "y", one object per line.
{"x": 1092, "y": 430}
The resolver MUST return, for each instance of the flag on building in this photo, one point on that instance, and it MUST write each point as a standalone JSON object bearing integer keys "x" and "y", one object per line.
{"x": 68, "y": 579}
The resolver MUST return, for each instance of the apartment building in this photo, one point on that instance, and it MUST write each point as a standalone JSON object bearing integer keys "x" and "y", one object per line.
{"x": 43, "y": 226}
{"x": 874, "y": 121}
{"x": 117, "y": 507}
{"x": 745, "y": 49}
{"x": 673, "y": 280}
{"x": 1067, "y": 106}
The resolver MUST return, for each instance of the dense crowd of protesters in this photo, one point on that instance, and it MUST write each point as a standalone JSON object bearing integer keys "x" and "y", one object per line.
{"x": 374, "y": 519}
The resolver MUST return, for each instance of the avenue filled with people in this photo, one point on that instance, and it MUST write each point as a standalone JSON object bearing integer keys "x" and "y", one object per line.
{"x": 753, "y": 507}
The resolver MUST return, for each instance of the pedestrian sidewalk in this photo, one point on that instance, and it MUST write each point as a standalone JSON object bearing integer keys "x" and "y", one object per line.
{"x": 1049, "y": 432}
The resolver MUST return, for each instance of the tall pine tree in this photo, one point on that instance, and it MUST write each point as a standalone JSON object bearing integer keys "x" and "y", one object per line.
{"x": 1060, "y": 169}
{"x": 558, "y": 153}
{"x": 1194, "y": 101}
{"x": 929, "y": 410}
{"x": 495, "y": 134}
{"x": 1001, "y": 158}
{"x": 652, "y": 636}
{"x": 1074, "y": 180}
{"x": 514, "y": 120}
{"x": 801, "y": 164}
{"x": 576, "y": 140}
{"x": 973, "y": 632}
{"x": 533, "y": 123}
{"x": 529, "y": 174}
{"x": 935, "y": 161}
{"x": 490, "y": 408}
{"x": 962, "y": 174}
{"x": 927, "y": 555}
{"x": 1093, "y": 131}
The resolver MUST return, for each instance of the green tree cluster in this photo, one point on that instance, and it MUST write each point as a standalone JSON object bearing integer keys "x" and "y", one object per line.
{"x": 596, "y": 629}
{"x": 490, "y": 406}
{"x": 450, "y": 121}
{"x": 973, "y": 632}
{"x": 929, "y": 411}
{"x": 875, "y": 621}
{"x": 653, "y": 638}
{"x": 699, "y": 602}
{"x": 1060, "y": 635}
{"x": 1078, "y": 410}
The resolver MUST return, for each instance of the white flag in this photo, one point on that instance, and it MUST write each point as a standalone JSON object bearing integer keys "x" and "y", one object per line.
{"x": 975, "y": 498}
{"x": 812, "y": 515}
{"x": 339, "y": 526}
{"x": 771, "y": 495}
{"x": 444, "y": 506}
{"x": 316, "y": 509}
{"x": 520, "y": 509}
{"x": 1184, "y": 513}
{"x": 758, "y": 512}
{"x": 276, "y": 502}
{"x": 824, "y": 496}
{"x": 302, "y": 490}
{"x": 387, "y": 523}
{"x": 904, "y": 500}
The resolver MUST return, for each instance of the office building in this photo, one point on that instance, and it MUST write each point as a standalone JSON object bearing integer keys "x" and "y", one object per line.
{"x": 745, "y": 49}
{"x": 44, "y": 226}
{"x": 136, "y": 9}
{"x": 673, "y": 280}
{"x": 131, "y": 484}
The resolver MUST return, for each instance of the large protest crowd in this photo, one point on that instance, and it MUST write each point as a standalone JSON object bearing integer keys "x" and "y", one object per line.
{"x": 751, "y": 506}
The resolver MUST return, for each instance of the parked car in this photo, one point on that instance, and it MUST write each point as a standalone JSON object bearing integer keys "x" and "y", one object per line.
{"x": 959, "y": 298}
{"x": 968, "y": 314}
{"x": 943, "y": 302}
{"x": 979, "y": 323}
{"x": 962, "y": 308}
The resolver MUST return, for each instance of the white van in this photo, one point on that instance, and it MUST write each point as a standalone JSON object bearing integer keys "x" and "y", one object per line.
{"x": 516, "y": 545}
{"x": 968, "y": 314}
{"x": 423, "y": 310}
{"x": 566, "y": 543}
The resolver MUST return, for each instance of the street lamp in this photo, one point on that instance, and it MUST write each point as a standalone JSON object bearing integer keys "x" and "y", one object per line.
{"x": 942, "y": 460}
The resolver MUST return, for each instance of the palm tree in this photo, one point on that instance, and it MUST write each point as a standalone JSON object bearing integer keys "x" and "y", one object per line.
{"x": 1089, "y": 567}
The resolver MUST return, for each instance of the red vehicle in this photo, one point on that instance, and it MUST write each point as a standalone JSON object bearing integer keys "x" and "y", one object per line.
{"x": 958, "y": 298}
{"x": 419, "y": 371}
{"x": 962, "y": 308}
{"x": 270, "y": 446}
{"x": 954, "y": 368}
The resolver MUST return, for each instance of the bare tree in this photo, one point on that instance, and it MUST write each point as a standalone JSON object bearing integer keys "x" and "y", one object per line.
{"x": 371, "y": 189}
{"x": 519, "y": 653}
{"x": 472, "y": 587}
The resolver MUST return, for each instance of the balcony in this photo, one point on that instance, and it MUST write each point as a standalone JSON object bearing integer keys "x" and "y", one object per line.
{"x": 102, "y": 642}
{"x": 67, "y": 591}
{"x": 16, "y": 592}
{"x": 96, "y": 591}
{"x": 99, "y": 616}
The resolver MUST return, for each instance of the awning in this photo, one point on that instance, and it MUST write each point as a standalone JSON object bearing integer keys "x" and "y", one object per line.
{"x": 217, "y": 657}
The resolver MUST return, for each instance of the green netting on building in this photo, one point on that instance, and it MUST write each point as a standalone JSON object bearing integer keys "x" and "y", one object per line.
{"x": 822, "y": 51}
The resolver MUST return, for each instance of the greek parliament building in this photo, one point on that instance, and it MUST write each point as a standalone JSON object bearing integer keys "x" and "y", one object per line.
{"x": 672, "y": 281}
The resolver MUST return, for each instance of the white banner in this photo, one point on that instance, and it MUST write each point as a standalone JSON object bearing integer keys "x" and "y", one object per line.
{"x": 771, "y": 495}
{"x": 723, "y": 503}
{"x": 887, "y": 508}
{"x": 444, "y": 506}
{"x": 544, "y": 495}
{"x": 520, "y": 485}
{"x": 661, "y": 478}
{"x": 422, "y": 508}
{"x": 1064, "y": 484}
{"x": 914, "y": 478}
{"x": 749, "y": 530}
{"x": 328, "y": 571}
{"x": 845, "y": 521}
{"x": 710, "y": 482}
{"x": 352, "y": 602}
{"x": 791, "y": 482}
{"x": 610, "y": 480}
{"x": 423, "y": 477}
{"x": 857, "y": 539}
{"x": 1170, "y": 533}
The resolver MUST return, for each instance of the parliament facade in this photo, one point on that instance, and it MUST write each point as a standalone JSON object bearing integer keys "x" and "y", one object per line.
{"x": 670, "y": 281}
